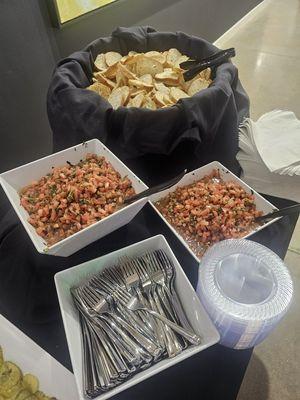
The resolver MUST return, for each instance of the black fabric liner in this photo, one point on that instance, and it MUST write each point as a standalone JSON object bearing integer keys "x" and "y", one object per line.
{"x": 191, "y": 133}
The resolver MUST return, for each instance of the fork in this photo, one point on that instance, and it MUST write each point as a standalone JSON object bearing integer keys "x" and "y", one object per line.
{"x": 129, "y": 349}
{"x": 157, "y": 276}
{"x": 131, "y": 278}
{"x": 146, "y": 287}
{"x": 169, "y": 271}
{"x": 113, "y": 352}
{"x": 110, "y": 283}
{"x": 101, "y": 304}
{"x": 133, "y": 304}
{"x": 172, "y": 344}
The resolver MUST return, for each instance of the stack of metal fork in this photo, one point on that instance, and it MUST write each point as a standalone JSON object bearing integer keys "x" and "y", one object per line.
{"x": 131, "y": 317}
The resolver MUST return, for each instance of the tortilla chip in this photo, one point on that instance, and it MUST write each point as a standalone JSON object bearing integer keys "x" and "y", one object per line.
{"x": 156, "y": 55}
{"x": 197, "y": 85}
{"x": 160, "y": 87}
{"x": 116, "y": 98}
{"x": 135, "y": 91}
{"x": 137, "y": 101}
{"x": 103, "y": 90}
{"x": 100, "y": 62}
{"x": 168, "y": 100}
{"x": 111, "y": 71}
{"x": 180, "y": 60}
{"x": 99, "y": 76}
{"x": 147, "y": 78}
{"x": 125, "y": 93}
{"x": 206, "y": 74}
{"x": 177, "y": 94}
{"x": 139, "y": 84}
{"x": 125, "y": 71}
{"x": 149, "y": 103}
{"x": 94, "y": 87}
{"x": 168, "y": 76}
{"x": 172, "y": 56}
{"x": 159, "y": 99}
{"x": 147, "y": 65}
{"x": 112, "y": 58}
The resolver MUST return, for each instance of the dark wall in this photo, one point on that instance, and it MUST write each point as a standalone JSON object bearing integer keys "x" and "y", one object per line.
{"x": 206, "y": 18}
{"x": 30, "y": 46}
{"x": 26, "y": 63}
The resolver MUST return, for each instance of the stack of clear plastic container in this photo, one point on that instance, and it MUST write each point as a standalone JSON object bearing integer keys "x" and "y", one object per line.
{"x": 246, "y": 289}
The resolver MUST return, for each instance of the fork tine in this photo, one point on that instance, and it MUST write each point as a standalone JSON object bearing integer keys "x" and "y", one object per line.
{"x": 106, "y": 285}
{"x": 123, "y": 293}
{"x": 157, "y": 262}
{"x": 136, "y": 267}
{"x": 87, "y": 292}
{"x": 86, "y": 298}
{"x": 114, "y": 273}
{"x": 81, "y": 305}
{"x": 115, "y": 290}
{"x": 94, "y": 294}
{"x": 139, "y": 270}
{"x": 151, "y": 263}
{"x": 118, "y": 296}
{"x": 121, "y": 300}
{"x": 166, "y": 263}
{"x": 119, "y": 274}
{"x": 123, "y": 265}
{"x": 161, "y": 260}
{"x": 108, "y": 279}
{"x": 127, "y": 268}
{"x": 124, "y": 270}
{"x": 98, "y": 283}
{"x": 107, "y": 273}
{"x": 143, "y": 267}
{"x": 76, "y": 294}
{"x": 94, "y": 280}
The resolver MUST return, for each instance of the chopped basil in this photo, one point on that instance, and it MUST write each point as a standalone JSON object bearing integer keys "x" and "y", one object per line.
{"x": 31, "y": 200}
{"x": 70, "y": 196}
{"x": 53, "y": 190}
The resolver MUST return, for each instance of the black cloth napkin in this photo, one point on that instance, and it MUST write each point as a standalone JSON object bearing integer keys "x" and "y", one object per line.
{"x": 195, "y": 131}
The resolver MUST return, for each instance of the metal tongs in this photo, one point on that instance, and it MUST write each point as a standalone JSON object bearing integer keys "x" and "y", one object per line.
{"x": 195, "y": 66}
{"x": 155, "y": 189}
{"x": 279, "y": 213}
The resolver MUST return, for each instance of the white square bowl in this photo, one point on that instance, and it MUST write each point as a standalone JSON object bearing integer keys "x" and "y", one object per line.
{"x": 195, "y": 312}
{"x": 54, "y": 379}
{"x": 261, "y": 203}
{"x": 14, "y": 180}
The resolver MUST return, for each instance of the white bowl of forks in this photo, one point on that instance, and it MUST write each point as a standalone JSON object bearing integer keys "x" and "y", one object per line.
{"x": 79, "y": 283}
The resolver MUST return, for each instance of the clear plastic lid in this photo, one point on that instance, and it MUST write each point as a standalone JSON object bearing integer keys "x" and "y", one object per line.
{"x": 243, "y": 280}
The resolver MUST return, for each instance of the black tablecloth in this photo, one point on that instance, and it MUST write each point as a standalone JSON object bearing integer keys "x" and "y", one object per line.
{"x": 28, "y": 299}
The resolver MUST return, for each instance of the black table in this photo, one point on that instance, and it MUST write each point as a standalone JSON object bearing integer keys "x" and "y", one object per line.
{"x": 28, "y": 299}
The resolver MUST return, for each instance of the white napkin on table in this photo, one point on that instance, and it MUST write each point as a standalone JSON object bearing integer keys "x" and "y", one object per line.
{"x": 266, "y": 175}
{"x": 277, "y": 139}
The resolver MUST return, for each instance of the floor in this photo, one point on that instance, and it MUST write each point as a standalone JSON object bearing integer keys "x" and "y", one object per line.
{"x": 267, "y": 42}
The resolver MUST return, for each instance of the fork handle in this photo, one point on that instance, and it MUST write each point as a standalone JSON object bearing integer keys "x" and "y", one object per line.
{"x": 179, "y": 310}
{"x": 190, "y": 336}
{"x": 147, "y": 344}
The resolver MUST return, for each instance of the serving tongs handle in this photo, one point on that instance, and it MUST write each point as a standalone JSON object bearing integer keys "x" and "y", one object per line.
{"x": 196, "y": 66}
{"x": 155, "y": 189}
{"x": 279, "y": 213}
{"x": 192, "y": 63}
